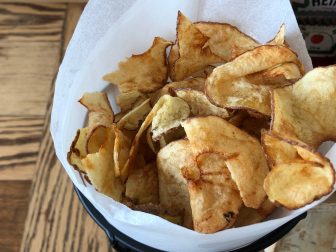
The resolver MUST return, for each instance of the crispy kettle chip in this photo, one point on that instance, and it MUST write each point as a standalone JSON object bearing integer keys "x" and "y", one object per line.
{"x": 127, "y": 101}
{"x": 299, "y": 174}
{"x": 144, "y": 72}
{"x": 78, "y": 149}
{"x": 244, "y": 155}
{"x": 306, "y": 110}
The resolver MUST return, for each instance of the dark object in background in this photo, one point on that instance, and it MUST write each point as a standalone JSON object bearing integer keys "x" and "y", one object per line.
{"x": 317, "y": 21}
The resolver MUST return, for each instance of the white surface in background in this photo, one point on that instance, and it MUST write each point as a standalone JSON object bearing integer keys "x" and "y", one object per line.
{"x": 102, "y": 38}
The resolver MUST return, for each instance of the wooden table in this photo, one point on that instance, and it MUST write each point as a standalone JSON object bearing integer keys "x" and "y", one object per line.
{"x": 39, "y": 210}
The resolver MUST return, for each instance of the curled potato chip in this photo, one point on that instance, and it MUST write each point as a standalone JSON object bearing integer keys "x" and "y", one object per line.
{"x": 95, "y": 138}
{"x": 122, "y": 145}
{"x": 169, "y": 115}
{"x": 229, "y": 87}
{"x": 306, "y": 110}
{"x": 279, "y": 38}
{"x": 129, "y": 100}
{"x": 144, "y": 72}
{"x": 192, "y": 55}
{"x": 226, "y": 40}
{"x": 214, "y": 197}
{"x": 100, "y": 111}
{"x": 244, "y": 155}
{"x": 133, "y": 119}
{"x": 99, "y": 168}
{"x": 299, "y": 174}
{"x": 142, "y": 185}
{"x": 249, "y": 216}
{"x": 199, "y": 103}
{"x": 173, "y": 190}
{"x": 192, "y": 83}
{"x": 78, "y": 149}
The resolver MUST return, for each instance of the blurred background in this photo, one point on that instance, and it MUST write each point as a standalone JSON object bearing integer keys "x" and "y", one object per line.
{"x": 39, "y": 210}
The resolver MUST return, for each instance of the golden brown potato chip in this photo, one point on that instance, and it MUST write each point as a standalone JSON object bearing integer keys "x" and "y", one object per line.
{"x": 279, "y": 38}
{"x": 142, "y": 185}
{"x": 244, "y": 155}
{"x": 173, "y": 190}
{"x": 99, "y": 167}
{"x": 122, "y": 145}
{"x": 199, "y": 103}
{"x": 136, "y": 140}
{"x": 214, "y": 197}
{"x": 228, "y": 87}
{"x": 193, "y": 83}
{"x": 193, "y": 55}
{"x": 95, "y": 138}
{"x": 118, "y": 116}
{"x": 296, "y": 180}
{"x": 133, "y": 119}
{"x": 169, "y": 115}
{"x": 78, "y": 149}
{"x": 173, "y": 56}
{"x": 249, "y": 216}
{"x": 100, "y": 110}
{"x": 306, "y": 110}
{"x": 129, "y": 100}
{"x": 226, "y": 40}
{"x": 144, "y": 72}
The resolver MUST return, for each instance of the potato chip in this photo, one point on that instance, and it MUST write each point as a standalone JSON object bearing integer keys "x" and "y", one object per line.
{"x": 173, "y": 190}
{"x": 306, "y": 110}
{"x": 228, "y": 86}
{"x": 238, "y": 117}
{"x": 214, "y": 197}
{"x": 193, "y": 55}
{"x": 244, "y": 155}
{"x": 295, "y": 181}
{"x": 129, "y": 100}
{"x": 118, "y": 116}
{"x": 226, "y": 40}
{"x": 95, "y": 138}
{"x": 122, "y": 145}
{"x": 254, "y": 126}
{"x": 199, "y": 103}
{"x": 132, "y": 120}
{"x": 249, "y": 216}
{"x": 169, "y": 115}
{"x": 279, "y": 38}
{"x": 99, "y": 167}
{"x": 100, "y": 110}
{"x": 142, "y": 185}
{"x": 78, "y": 150}
{"x": 144, "y": 72}
{"x": 197, "y": 83}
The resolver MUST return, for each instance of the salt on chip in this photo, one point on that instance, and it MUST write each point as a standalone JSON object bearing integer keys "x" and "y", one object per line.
{"x": 199, "y": 103}
{"x": 142, "y": 185}
{"x": 169, "y": 115}
{"x": 295, "y": 181}
{"x": 127, "y": 101}
{"x": 99, "y": 168}
{"x": 132, "y": 120}
{"x": 244, "y": 155}
{"x": 196, "y": 83}
{"x": 173, "y": 189}
{"x": 306, "y": 110}
{"x": 193, "y": 54}
{"x": 214, "y": 197}
{"x": 144, "y": 72}
{"x": 100, "y": 110}
{"x": 226, "y": 40}
{"x": 229, "y": 87}
{"x": 249, "y": 216}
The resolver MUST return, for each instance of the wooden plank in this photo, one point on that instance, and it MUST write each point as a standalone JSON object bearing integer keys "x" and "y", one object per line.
{"x": 14, "y": 199}
{"x": 56, "y": 220}
{"x": 19, "y": 143}
{"x": 29, "y": 55}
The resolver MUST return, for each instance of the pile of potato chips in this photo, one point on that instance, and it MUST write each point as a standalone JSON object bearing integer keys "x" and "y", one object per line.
{"x": 233, "y": 136}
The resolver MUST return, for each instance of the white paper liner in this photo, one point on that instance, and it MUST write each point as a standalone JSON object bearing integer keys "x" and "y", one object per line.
{"x": 110, "y": 31}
